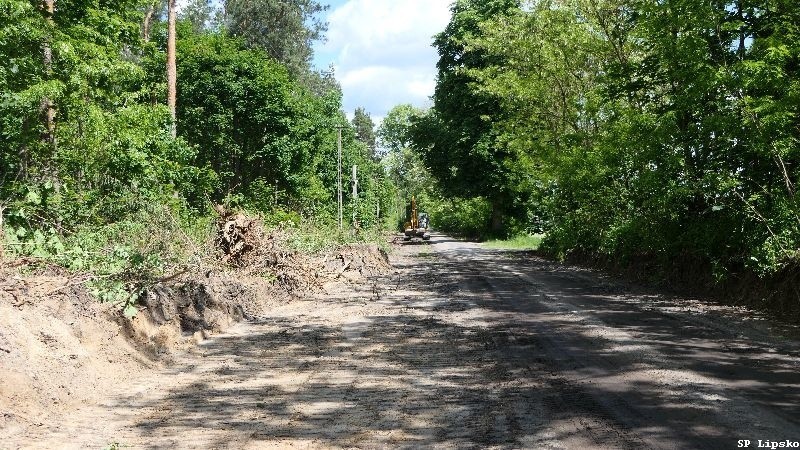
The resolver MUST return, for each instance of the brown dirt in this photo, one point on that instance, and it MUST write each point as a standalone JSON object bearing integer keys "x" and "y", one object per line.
{"x": 61, "y": 350}
{"x": 57, "y": 351}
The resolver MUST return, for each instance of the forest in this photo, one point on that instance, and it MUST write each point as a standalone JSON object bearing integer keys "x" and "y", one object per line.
{"x": 99, "y": 174}
{"x": 658, "y": 134}
{"x": 655, "y": 135}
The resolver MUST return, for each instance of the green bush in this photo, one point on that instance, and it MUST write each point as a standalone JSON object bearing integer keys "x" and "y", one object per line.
{"x": 464, "y": 217}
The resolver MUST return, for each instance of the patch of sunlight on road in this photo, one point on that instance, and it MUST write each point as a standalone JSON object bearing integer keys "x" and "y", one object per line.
{"x": 519, "y": 242}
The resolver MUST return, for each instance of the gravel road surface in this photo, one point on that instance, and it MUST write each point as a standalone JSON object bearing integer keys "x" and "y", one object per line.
{"x": 465, "y": 347}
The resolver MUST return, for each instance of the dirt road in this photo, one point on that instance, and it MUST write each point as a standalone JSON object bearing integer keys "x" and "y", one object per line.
{"x": 464, "y": 347}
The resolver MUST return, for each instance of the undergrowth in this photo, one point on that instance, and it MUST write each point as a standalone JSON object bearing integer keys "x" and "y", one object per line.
{"x": 314, "y": 237}
{"x": 117, "y": 261}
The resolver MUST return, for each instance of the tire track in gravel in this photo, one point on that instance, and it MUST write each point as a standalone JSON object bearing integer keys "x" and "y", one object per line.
{"x": 617, "y": 374}
{"x": 569, "y": 415}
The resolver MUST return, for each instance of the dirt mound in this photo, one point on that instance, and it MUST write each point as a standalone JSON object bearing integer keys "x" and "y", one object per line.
{"x": 242, "y": 243}
{"x": 256, "y": 272}
{"x": 60, "y": 348}
{"x": 176, "y": 314}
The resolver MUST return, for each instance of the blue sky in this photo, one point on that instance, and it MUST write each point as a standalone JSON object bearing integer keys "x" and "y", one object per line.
{"x": 381, "y": 51}
{"x": 322, "y": 55}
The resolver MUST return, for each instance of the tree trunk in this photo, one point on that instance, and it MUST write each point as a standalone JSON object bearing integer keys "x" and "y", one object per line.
{"x": 147, "y": 23}
{"x": 172, "y": 71}
{"x": 742, "y": 33}
{"x": 497, "y": 217}
{"x": 47, "y": 107}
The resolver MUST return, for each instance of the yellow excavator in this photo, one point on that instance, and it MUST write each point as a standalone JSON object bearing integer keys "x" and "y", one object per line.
{"x": 417, "y": 223}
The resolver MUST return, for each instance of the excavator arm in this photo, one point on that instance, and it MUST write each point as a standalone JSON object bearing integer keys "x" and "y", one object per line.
{"x": 413, "y": 228}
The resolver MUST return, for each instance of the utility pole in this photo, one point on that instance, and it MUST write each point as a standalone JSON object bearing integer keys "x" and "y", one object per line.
{"x": 339, "y": 174}
{"x": 377, "y": 201}
{"x": 355, "y": 181}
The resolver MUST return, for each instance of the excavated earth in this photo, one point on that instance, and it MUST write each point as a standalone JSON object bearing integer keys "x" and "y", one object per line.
{"x": 456, "y": 346}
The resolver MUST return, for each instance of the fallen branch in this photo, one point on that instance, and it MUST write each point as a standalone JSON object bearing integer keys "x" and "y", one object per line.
{"x": 16, "y": 303}
{"x": 170, "y": 277}
{"x": 341, "y": 271}
{"x": 27, "y": 261}
{"x": 72, "y": 284}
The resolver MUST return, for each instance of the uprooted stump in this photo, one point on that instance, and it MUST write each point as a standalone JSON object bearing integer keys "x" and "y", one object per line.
{"x": 237, "y": 236}
{"x": 243, "y": 243}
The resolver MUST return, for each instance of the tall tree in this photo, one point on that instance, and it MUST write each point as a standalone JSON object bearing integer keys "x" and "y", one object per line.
{"x": 394, "y": 131}
{"x": 239, "y": 107}
{"x": 457, "y": 137}
{"x": 322, "y": 82}
{"x": 111, "y": 148}
{"x": 365, "y": 128}
{"x": 152, "y": 10}
{"x": 285, "y": 29}
{"x": 200, "y": 13}
{"x": 402, "y": 162}
{"x": 654, "y": 129}
{"x": 48, "y": 108}
{"x": 542, "y": 70}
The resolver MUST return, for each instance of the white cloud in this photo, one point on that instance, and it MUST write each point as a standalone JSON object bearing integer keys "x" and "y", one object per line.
{"x": 382, "y": 52}
{"x": 422, "y": 87}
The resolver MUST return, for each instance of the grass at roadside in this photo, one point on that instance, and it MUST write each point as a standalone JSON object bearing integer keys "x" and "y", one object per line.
{"x": 519, "y": 242}
{"x": 314, "y": 238}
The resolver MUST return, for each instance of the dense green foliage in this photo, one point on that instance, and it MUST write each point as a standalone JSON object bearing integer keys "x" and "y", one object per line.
{"x": 257, "y": 129}
{"x": 404, "y": 168}
{"x": 653, "y": 130}
{"x": 365, "y": 128}
{"x": 458, "y": 132}
{"x": 111, "y": 152}
{"x": 104, "y": 187}
{"x": 633, "y": 129}
{"x": 410, "y": 177}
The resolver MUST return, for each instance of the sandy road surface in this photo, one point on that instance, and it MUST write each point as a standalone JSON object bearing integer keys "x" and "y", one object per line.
{"x": 465, "y": 348}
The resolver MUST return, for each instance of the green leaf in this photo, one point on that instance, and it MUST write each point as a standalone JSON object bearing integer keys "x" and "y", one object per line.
{"x": 33, "y": 198}
{"x": 130, "y": 311}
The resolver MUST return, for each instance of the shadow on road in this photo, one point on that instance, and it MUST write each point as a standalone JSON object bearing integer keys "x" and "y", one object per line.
{"x": 471, "y": 355}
